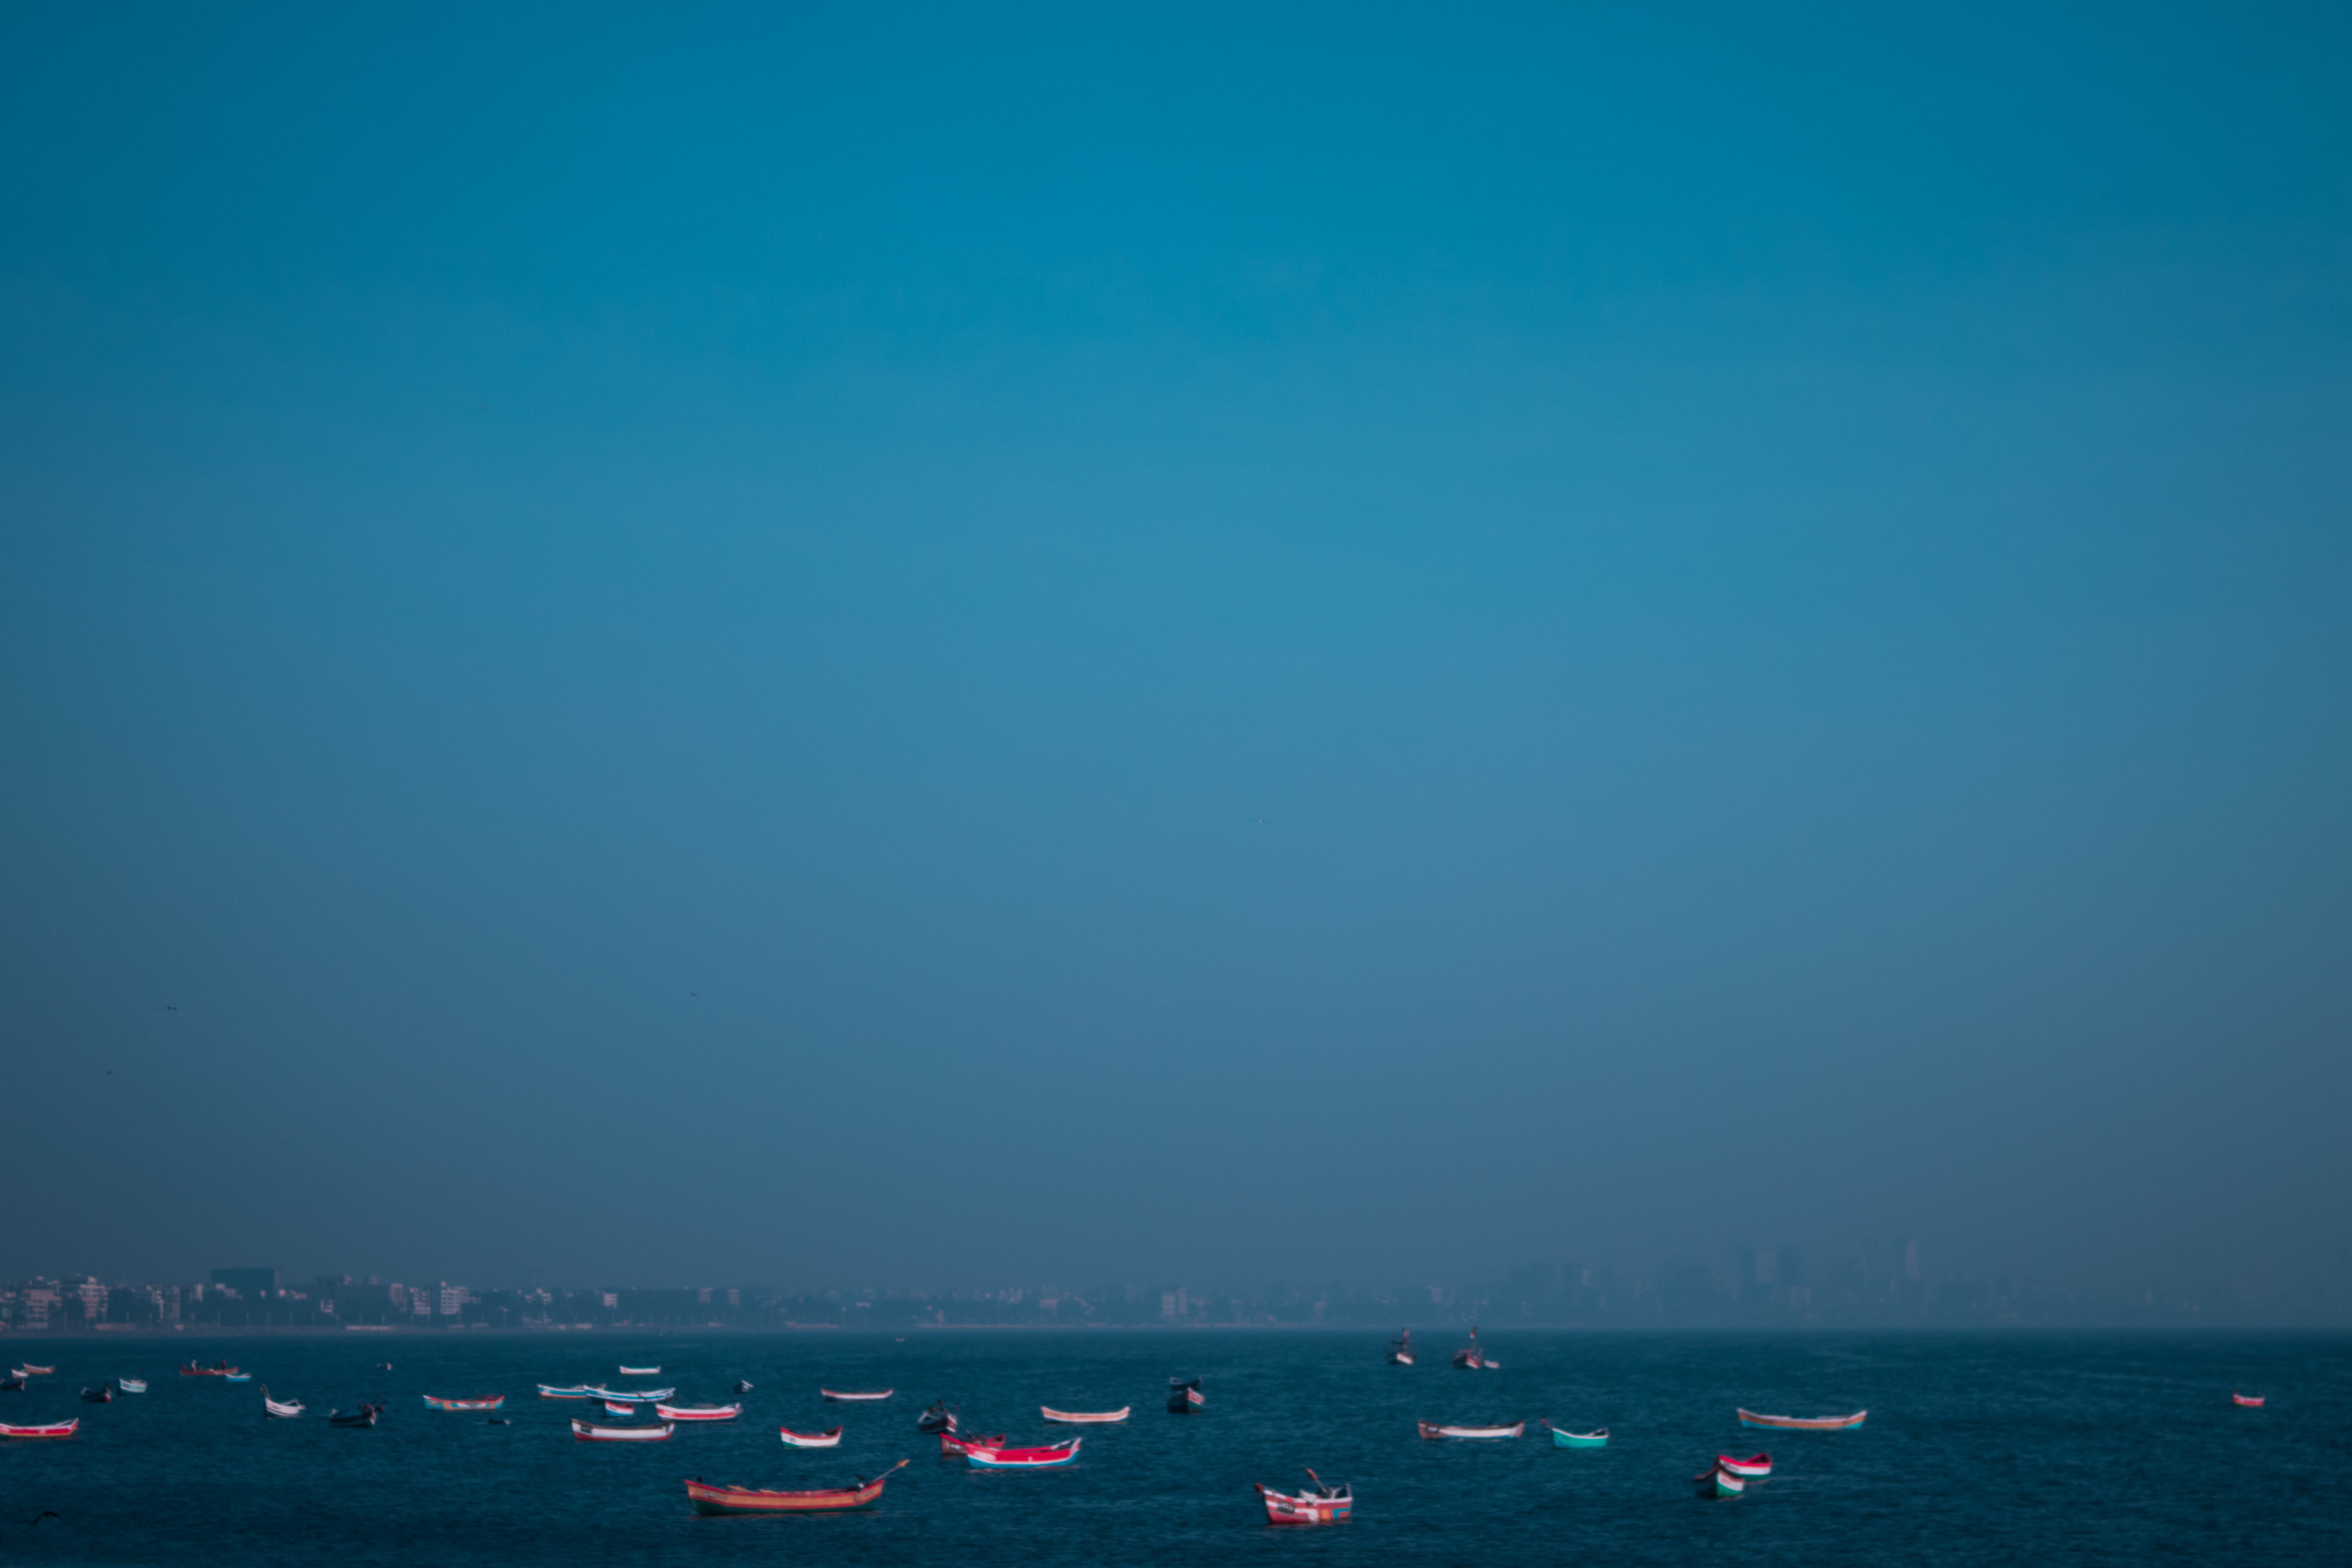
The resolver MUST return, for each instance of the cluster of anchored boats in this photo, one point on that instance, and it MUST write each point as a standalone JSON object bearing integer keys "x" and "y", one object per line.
{"x": 1321, "y": 1503}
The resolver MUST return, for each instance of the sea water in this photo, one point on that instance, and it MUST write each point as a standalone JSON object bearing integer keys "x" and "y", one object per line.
{"x": 1980, "y": 1449}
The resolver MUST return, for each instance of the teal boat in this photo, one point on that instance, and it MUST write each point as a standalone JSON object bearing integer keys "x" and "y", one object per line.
{"x": 1596, "y": 1438}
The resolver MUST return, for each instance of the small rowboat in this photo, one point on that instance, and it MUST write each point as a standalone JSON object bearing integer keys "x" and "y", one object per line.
{"x": 55, "y": 1429}
{"x": 953, "y": 1443}
{"x": 579, "y": 1391}
{"x": 237, "y": 1377}
{"x": 699, "y": 1412}
{"x": 1184, "y": 1396}
{"x": 2250, "y": 1401}
{"x": 1720, "y": 1482}
{"x": 641, "y": 1371}
{"x": 1401, "y": 1352}
{"x": 708, "y": 1498}
{"x": 1085, "y": 1417}
{"x": 1323, "y": 1505}
{"x": 132, "y": 1384}
{"x": 12, "y": 1385}
{"x": 838, "y": 1397}
{"x": 827, "y": 1439}
{"x": 1469, "y": 1358}
{"x": 1802, "y": 1423}
{"x": 365, "y": 1415}
{"x": 937, "y": 1419}
{"x": 480, "y": 1402}
{"x": 1432, "y": 1429}
{"x": 1562, "y": 1438}
{"x": 102, "y": 1395}
{"x": 589, "y": 1433}
{"x": 1749, "y": 1469}
{"x": 285, "y": 1407}
{"x": 1023, "y": 1458}
{"x": 219, "y": 1369}
{"x": 643, "y": 1396}
{"x": 613, "y": 1409}
{"x": 29, "y": 1370}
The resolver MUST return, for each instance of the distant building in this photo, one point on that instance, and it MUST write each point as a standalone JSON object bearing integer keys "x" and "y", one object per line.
{"x": 250, "y": 1284}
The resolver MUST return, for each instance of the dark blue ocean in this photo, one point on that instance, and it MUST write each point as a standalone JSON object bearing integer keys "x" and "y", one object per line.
{"x": 2115, "y": 1448}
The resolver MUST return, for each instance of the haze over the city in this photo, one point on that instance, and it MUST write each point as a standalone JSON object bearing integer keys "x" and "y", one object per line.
{"x": 932, "y": 647}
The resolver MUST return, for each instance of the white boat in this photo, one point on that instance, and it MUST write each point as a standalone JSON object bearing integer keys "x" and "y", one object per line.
{"x": 587, "y": 1432}
{"x": 831, "y": 1439}
{"x": 641, "y": 1371}
{"x": 838, "y": 1395}
{"x": 132, "y": 1384}
{"x": 1433, "y": 1429}
{"x": 1085, "y": 1417}
{"x": 642, "y": 1396}
{"x": 279, "y": 1407}
{"x": 699, "y": 1412}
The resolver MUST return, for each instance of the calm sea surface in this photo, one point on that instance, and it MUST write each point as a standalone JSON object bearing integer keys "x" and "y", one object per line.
{"x": 1980, "y": 1449}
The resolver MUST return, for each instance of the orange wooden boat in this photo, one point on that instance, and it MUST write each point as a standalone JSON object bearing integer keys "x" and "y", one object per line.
{"x": 708, "y": 1498}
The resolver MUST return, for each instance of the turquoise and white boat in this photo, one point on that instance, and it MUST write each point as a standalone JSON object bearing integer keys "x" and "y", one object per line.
{"x": 1563, "y": 1439}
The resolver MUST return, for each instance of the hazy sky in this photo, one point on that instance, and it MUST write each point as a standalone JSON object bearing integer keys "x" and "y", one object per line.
{"x": 857, "y": 645}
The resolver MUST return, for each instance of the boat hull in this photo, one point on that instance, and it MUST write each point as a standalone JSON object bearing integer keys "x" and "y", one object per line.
{"x": 1024, "y": 1458}
{"x": 1289, "y": 1507}
{"x": 484, "y": 1402}
{"x": 1431, "y": 1430}
{"x": 1085, "y": 1417}
{"x": 1594, "y": 1439}
{"x": 2248, "y": 1401}
{"x": 810, "y": 1439}
{"x": 587, "y": 1432}
{"x": 1719, "y": 1483}
{"x": 1749, "y": 1469}
{"x": 698, "y": 1412}
{"x": 840, "y": 1397}
{"x": 53, "y": 1429}
{"x": 709, "y": 1500}
{"x": 1802, "y": 1423}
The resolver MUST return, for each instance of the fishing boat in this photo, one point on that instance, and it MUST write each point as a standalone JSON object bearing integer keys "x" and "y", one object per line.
{"x": 365, "y": 1415}
{"x": 742, "y": 1386}
{"x": 613, "y": 1409}
{"x": 1749, "y": 1469}
{"x": 1400, "y": 1349}
{"x": 55, "y": 1429}
{"x": 830, "y": 1438}
{"x": 588, "y": 1432}
{"x": 1318, "y": 1505}
{"x": 952, "y": 1445}
{"x": 285, "y": 1407}
{"x": 102, "y": 1395}
{"x": 478, "y": 1401}
{"x": 1470, "y": 1358}
{"x": 1719, "y": 1482}
{"x": 642, "y": 1396}
{"x": 1802, "y": 1423}
{"x": 838, "y": 1397}
{"x": 29, "y": 1370}
{"x": 708, "y": 1498}
{"x": 578, "y": 1390}
{"x": 1563, "y": 1439}
{"x": 937, "y": 1419}
{"x": 1431, "y": 1429}
{"x": 132, "y": 1384}
{"x": 1085, "y": 1417}
{"x": 1023, "y": 1458}
{"x": 219, "y": 1369}
{"x": 1184, "y": 1396}
{"x": 237, "y": 1377}
{"x": 699, "y": 1412}
{"x": 12, "y": 1385}
{"x": 641, "y": 1371}
{"x": 2250, "y": 1401}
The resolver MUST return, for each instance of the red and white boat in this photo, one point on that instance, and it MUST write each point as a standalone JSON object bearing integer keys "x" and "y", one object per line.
{"x": 219, "y": 1369}
{"x": 55, "y": 1429}
{"x": 1802, "y": 1423}
{"x": 1470, "y": 1358}
{"x": 1023, "y": 1458}
{"x": 478, "y": 1401}
{"x": 1749, "y": 1469}
{"x": 840, "y": 1397}
{"x": 708, "y": 1498}
{"x": 29, "y": 1370}
{"x": 1430, "y": 1430}
{"x": 613, "y": 1409}
{"x": 954, "y": 1443}
{"x": 831, "y": 1439}
{"x": 587, "y": 1432}
{"x": 1085, "y": 1417}
{"x": 2250, "y": 1401}
{"x": 1323, "y": 1505}
{"x": 1720, "y": 1482}
{"x": 699, "y": 1412}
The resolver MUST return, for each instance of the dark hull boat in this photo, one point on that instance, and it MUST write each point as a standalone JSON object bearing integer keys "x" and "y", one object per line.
{"x": 1471, "y": 1358}
{"x": 708, "y": 1498}
{"x": 365, "y": 1415}
{"x": 98, "y": 1396}
{"x": 1184, "y": 1396}
{"x": 937, "y": 1419}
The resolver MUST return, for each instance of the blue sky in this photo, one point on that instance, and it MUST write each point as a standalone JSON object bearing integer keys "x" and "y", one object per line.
{"x": 1514, "y": 632}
